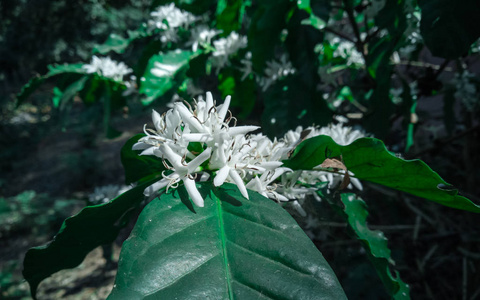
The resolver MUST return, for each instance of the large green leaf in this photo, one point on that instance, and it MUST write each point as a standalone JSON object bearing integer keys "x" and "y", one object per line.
{"x": 449, "y": 27}
{"x": 232, "y": 248}
{"x": 91, "y": 227}
{"x": 167, "y": 66}
{"x": 369, "y": 160}
{"x": 137, "y": 167}
{"x": 375, "y": 243}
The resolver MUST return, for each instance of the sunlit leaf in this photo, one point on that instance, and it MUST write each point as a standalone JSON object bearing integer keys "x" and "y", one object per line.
{"x": 159, "y": 77}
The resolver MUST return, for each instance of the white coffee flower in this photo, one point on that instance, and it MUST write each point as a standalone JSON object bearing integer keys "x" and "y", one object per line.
{"x": 169, "y": 16}
{"x": 347, "y": 50}
{"x": 225, "y": 47}
{"x": 201, "y": 35}
{"x": 107, "y": 67}
{"x": 276, "y": 70}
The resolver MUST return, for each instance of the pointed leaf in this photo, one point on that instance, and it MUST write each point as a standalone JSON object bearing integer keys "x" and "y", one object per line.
{"x": 369, "y": 160}
{"x": 230, "y": 249}
{"x": 93, "y": 226}
{"x": 375, "y": 243}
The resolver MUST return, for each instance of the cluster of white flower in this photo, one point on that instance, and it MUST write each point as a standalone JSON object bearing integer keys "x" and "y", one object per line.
{"x": 347, "y": 50}
{"x": 105, "y": 193}
{"x": 274, "y": 71}
{"x": 169, "y": 18}
{"x": 226, "y": 151}
{"x": 107, "y": 67}
{"x": 466, "y": 90}
{"x": 225, "y": 47}
{"x": 201, "y": 35}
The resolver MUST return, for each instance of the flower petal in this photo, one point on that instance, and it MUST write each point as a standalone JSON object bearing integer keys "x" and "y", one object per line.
{"x": 193, "y": 191}
{"x": 141, "y": 146}
{"x": 221, "y": 176}
{"x": 223, "y": 109}
{"x": 241, "y": 130}
{"x": 157, "y": 119}
{"x": 239, "y": 182}
{"x": 149, "y": 151}
{"x": 200, "y": 159}
{"x": 155, "y": 187}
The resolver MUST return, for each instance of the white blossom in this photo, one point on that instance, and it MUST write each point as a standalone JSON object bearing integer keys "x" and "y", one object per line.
{"x": 228, "y": 154}
{"x": 201, "y": 35}
{"x": 169, "y": 18}
{"x": 107, "y": 67}
{"x": 225, "y": 47}
{"x": 348, "y": 51}
{"x": 274, "y": 71}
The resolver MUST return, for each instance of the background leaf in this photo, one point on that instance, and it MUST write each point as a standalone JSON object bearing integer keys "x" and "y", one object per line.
{"x": 173, "y": 62}
{"x": 375, "y": 243}
{"x": 449, "y": 27}
{"x": 93, "y": 226}
{"x": 232, "y": 248}
{"x": 369, "y": 160}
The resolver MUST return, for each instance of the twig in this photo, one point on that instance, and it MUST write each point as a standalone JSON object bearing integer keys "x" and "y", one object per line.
{"x": 340, "y": 34}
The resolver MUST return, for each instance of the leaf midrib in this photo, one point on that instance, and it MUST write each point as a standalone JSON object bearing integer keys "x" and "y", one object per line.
{"x": 223, "y": 244}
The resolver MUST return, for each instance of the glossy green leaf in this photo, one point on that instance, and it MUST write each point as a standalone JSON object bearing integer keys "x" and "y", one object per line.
{"x": 115, "y": 43}
{"x": 232, "y": 248}
{"x": 375, "y": 243}
{"x": 165, "y": 66}
{"x": 93, "y": 226}
{"x": 449, "y": 27}
{"x": 137, "y": 167}
{"x": 369, "y": 160}
{"x": 65, "y": 68}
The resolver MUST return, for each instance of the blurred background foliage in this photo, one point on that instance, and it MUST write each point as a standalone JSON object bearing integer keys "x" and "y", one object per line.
{"x": 406, "y": 72}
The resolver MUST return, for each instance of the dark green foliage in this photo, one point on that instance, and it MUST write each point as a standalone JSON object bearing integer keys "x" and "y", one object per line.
{"x": 449, "y": 27}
